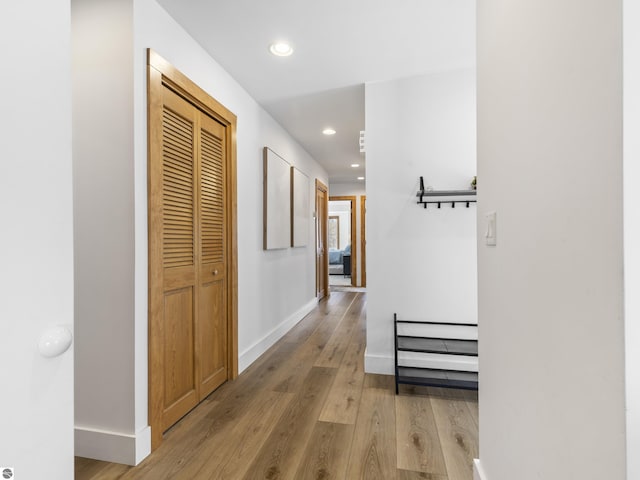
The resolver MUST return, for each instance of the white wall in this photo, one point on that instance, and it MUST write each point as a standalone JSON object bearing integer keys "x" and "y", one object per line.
{"x": 420, "y": 263}
{"x": 353, "y": 190}
{"x": 36, "y": 244}
{"x": 632, "y": 230}
{"x": 104, "y": 226}
{"x": 110, "y": 146}
{"x": 550, "y": 293}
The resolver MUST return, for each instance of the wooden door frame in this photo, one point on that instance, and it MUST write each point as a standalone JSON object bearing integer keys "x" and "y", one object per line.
{"x": 162, "y": 74}
{"x": 354, "y": 254}
{"x": 325, "y": 280}
{"x": 363, "y": 241}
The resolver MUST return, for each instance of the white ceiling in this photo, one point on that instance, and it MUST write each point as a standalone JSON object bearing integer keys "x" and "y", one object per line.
{"x": 339, "y": 45}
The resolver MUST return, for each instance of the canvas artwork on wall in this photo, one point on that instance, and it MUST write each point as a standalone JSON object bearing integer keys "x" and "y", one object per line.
{"x": 277, "y": 201}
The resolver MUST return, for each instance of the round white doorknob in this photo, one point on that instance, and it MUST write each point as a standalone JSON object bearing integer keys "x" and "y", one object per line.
{"x": 54, "y": 341}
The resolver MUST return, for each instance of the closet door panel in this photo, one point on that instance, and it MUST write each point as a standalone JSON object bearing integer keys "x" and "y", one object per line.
{"x": 212, "y": 280}
{"x": 180, "y": 394}
{"x": 213, "y": 336}
{"x": 179, "y": 257}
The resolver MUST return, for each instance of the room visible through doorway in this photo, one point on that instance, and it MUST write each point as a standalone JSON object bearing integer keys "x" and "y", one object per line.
{"x": 340, "y": 238}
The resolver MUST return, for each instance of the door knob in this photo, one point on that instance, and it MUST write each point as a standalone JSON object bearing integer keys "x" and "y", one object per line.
{"x": 215, "y": 272}
{"x": 54, "y": 341}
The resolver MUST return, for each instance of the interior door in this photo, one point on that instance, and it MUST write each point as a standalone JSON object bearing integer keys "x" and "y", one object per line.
{"x": 322, "y": 267}
{"x": 192, "y": 316}
{"x": 179, "y": 257}
{"x": 193, "y": 286}
{"x": 212, "y": 311}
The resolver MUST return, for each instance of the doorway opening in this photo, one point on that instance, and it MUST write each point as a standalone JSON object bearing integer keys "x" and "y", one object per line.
{"x": 341, "y": 235}
{"x": 322, "y": 276}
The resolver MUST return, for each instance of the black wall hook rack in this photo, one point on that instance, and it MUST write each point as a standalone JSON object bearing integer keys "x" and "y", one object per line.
{"x": 426, "y": 197}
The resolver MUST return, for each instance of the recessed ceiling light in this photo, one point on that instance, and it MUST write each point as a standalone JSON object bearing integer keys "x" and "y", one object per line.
{"x": 329, "y": 131}
{"x": 360, "y": 178}
{"x": 281, "y": 49}
{"x": 355, "y": 165}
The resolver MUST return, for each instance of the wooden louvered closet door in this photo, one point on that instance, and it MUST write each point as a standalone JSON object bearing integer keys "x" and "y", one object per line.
{"x": 194, "y": 328}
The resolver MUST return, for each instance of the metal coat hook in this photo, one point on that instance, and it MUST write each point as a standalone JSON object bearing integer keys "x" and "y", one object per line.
{"x": 432, "y": 196}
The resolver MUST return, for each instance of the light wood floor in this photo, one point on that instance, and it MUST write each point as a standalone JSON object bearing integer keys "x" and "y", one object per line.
{"x": 307, "y": 410}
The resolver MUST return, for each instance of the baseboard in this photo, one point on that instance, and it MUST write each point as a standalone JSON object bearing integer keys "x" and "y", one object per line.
{"x": 250, "y": 355}
{"x": 381, "y": 364}
{"x": 478, "y": 473}
{"x": 113, "y": 446}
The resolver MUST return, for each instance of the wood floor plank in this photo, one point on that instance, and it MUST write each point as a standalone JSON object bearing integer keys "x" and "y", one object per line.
{"x": 327, "y": 453}
{"x": 182, "y": 451}
{"x": 88, "y": 469}
{"x": 296, "y": 367}
{"x": 280, "y": 455}
{"x": 383, "y": 382}
{"x": 170, "y": 458}
{"x": 305, "y": 327}
{"x": 260, "y": 374}
{"x": 332, "y": 306}
{"x": 373, "y": 451}
{"x": 458, "y": 434}
{"x": 418, "y": 444}
{"x": 341, "y": 405}
{"x": 285, "y": 365}
{"x": 224, "y": 459}
{"x": 290, "y": 377}
{"x": 331, "y": 355}
{"x": 471, "y": 398}
{"x": 409, "y": 475}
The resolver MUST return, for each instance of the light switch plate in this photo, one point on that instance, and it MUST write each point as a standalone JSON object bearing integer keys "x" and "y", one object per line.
{"x": 490, "y": 235}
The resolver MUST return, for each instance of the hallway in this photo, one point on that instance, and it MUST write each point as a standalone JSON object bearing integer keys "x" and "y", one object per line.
{"x": 307, "y": 410}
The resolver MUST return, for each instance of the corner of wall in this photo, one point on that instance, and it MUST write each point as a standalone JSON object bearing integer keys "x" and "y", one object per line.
{"x": 379, "y": 364}
{"x": 478, "y": 473}
{"x": 113, "y": 447}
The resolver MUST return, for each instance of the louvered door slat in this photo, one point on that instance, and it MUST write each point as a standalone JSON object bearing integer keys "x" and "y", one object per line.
{"x": 178, "y": 180}
{"x": 177, "y": 189}
{"x": 177, "y": 165}
{"x": 175, "y": 205}
{"x": 212, "y": 194}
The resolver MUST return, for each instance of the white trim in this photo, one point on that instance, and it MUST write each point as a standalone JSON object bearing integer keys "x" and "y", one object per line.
{"x": 113, "y": 447}
{"x": 478, "y": 473}
{"x": 382, "y": 364}
{"x": 258, "y": 348}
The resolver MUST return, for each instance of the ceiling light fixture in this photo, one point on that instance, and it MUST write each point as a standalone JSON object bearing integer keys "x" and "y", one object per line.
{"x": 281, "y": 49}
{"x": 355, "y": 165}
{"x": 360, "y": 178}
{"x": 329, "y": 131}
